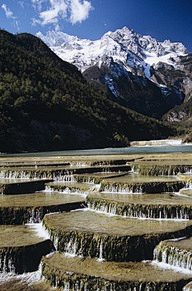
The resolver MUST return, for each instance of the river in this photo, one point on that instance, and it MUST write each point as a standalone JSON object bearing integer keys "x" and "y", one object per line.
{"x": 113, "y": 151}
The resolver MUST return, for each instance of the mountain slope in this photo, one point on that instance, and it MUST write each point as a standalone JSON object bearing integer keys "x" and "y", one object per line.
{"x": 128, "y": 64}
{"x": 132, "y": 91}
{"x": 183, "y": 113}
{"x": 46, "y": 104}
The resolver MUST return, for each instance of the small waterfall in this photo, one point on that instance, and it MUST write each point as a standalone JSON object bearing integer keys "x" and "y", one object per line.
{"x": 6, "y": 263}
{"x": 35, "y": 216}
{"x": 30, "y": 278}
{"x": 10, "y": 174}
{"x": 111, "y": 287}
{"x": 89, "y": 180}
{"x": 100, "y": 247}
{"x": 71, "y": 247}
{"x": 139, "y": 211}
{"x": 84, "y": 246}
{"x": 71, "y": 189}
{"x": 78, "y": 164}
{"x": 24, "y": 175}
{"x": 112, "y": 209}
{"x": 188, "y": 185}
{"x": 75, "y": 285}
{"x": 48, "y": 189}
{"x": 63, "y": 176}
{"x": 40, "y": 230}
{"x": 66, "y": 285}
{"x": 68, "y": 190}
{"x": 85, "y": 179}
{"x": 104, "y": 208}
{"x": 123, "y": 189}
{"x": 173, "y": 256}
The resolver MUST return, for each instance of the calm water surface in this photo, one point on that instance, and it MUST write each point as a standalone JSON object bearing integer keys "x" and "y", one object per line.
{"x": 114, "y": 151}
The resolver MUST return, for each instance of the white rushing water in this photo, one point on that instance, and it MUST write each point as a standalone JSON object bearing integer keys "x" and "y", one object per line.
{"x": 177, "y": 269}
{"x": 160, "y": 142}
{"x": 29, "y": 278}
{"x": 100, "y": 259}
{"x": 39, "y": 229}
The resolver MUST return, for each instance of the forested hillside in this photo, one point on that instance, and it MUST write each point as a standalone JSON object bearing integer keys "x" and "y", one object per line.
{"x": 46, "y": 104}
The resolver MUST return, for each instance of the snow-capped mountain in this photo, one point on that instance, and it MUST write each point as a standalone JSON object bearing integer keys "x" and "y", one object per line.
{"x": 136, "y": 69}
{"x": 124, "y": 46}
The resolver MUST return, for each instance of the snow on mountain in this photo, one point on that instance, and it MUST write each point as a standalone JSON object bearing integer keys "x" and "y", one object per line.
{"x": 56, "y": 38}
{"x": 137, "y": 70}
{"x": 125, "y": 46}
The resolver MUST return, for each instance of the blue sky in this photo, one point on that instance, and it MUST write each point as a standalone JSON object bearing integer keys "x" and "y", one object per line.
{"x": 162, "y": 19}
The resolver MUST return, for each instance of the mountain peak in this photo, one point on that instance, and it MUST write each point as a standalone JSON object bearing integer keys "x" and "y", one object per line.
{"x": 124, "y": 32}
{"x": 124, "y": 45}
{"x": 56, "y": 38}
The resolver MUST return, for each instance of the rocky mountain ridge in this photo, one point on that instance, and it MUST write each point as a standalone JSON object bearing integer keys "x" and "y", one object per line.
{"x": 139, "y": 72}
{"x": 124, "y": 46}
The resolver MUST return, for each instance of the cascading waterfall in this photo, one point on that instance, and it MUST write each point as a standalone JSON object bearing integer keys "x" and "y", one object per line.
{"x": 68, "y": 190}
{"x": 71, "y": 247}
{"x": 189, "y": 171}
{"x": 140, "y": 211}
{"x": 66, "y": 178}
{"x": 123, "y": 189}
{"x": 48, "y": 188}
{"x": 64, "y": 190}
{"x": 9, "y": 174}
{"x": 100, "y": 247}
{"x": 76, "y": 285}
{"x": 96, "y": 245}
{"x": 88, "y": 180}
{"x": 35, "y": 216}
{"x": 76, "y": 246}
{"x": 173, "y": 256}
{"x": 189, "y": 185}
{"x": 31, "y": 277}
{"x": 40, "y": 230}
{"x": 6, "y": 263}
{"x": 66, "y": 285}
{"x": 108, "y": 208}
{"x": 63, "y": 176}
{"x": 78, "y": 164}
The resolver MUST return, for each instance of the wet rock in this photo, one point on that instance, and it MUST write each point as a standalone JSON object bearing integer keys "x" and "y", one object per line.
{"x": 97, "y": 235}
{"x": 88, "y": 274}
